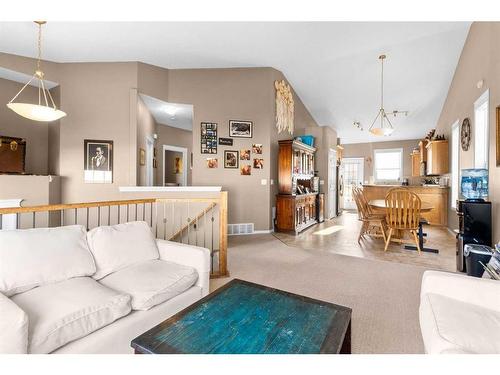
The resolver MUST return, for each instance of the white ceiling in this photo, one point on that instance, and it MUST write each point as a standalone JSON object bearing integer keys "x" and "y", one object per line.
{"x": 171, "y": 114}
{"x": 333, "y": 66}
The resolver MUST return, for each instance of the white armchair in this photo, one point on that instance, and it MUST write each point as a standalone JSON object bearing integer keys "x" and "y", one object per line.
{"x": 459, "y": 313}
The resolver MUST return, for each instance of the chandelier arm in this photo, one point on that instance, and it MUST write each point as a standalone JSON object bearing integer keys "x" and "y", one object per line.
{"x": 44, "y": 94}
{"x": 389, "y": 121}
{"x": 38, "y": 63}
{"x": 20, "y": 91}
{"x": 374, "y": 121}
{"x": 39, "y": 94}
{"x": 52, "y": 100}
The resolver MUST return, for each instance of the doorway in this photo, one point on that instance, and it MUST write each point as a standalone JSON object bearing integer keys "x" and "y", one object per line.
{"x": 353, "y": 172}
{"x": 174, "y": 165}
{"x": 332, "y": 184}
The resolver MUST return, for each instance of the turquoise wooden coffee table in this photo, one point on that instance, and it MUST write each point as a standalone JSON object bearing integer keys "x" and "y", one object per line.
{"x": 247, "y": 318}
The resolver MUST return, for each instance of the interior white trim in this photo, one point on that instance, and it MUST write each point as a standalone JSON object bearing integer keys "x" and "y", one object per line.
{"x": 184, "y": 151}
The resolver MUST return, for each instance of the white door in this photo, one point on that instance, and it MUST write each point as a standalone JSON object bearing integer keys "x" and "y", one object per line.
{"x": 332, "y": 183}
{"x": 353, "y": 175}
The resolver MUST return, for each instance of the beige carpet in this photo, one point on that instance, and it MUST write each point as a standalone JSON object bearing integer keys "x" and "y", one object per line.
{"x": 384, "y": 296}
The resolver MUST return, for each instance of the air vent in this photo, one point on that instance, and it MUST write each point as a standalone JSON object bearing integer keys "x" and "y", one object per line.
{"x": 238, "y": 229}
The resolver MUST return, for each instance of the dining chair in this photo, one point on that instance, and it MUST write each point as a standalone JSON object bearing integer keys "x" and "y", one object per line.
{"x": 402, "y": 213}
{"x": 370, "y": 220}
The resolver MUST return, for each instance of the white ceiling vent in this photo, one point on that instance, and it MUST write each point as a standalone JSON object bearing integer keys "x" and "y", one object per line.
{"x": 238, "y": 229}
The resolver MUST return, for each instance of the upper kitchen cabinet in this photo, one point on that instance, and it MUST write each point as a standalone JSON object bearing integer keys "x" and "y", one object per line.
{"x": 437, "y": 157}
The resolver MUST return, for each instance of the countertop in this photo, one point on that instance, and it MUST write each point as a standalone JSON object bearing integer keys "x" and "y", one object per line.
{"x": 408, "y": 186}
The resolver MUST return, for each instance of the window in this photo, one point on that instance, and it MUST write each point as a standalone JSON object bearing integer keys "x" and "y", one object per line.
{"x": 388, "y": 164}
{"x": 481, "y": 131}
{"x": 455, "y": 162}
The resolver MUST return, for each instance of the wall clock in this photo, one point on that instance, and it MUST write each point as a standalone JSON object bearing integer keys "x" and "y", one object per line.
{"x": 465, "y": 134}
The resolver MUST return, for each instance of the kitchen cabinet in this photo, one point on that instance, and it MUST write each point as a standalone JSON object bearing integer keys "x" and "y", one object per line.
{"x": 437, "y": 157}
{"x": 415, "y": 164}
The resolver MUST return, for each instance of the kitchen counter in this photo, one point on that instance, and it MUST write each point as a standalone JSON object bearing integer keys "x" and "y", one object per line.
{"x": 433, "y": 195}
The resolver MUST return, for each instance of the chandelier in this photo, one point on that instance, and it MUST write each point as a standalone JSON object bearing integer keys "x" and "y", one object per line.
{"x": 43, "y": 111}
{"x": 382, "y": 125}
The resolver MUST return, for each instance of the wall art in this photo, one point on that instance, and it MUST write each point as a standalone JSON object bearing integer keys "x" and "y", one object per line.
{"x": 284, "y": 107}
{"x": 231, "y": 159}
{"x": 98, "y": 161}
{"x": 257, "y": 148}
{"x": 244, "y": 154}
{"x": 246, "y": 170}
{"x": 212, "y": 163}
{"x": 208, "y": 138}
{"x": 240, "y": 129}
{"x": 258, "y": 163}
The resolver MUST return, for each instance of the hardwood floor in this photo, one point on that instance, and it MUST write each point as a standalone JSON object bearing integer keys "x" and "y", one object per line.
{"x": 340, "y": 235}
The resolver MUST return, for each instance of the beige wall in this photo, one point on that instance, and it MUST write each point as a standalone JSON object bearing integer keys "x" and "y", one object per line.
{"x": 366, "y": 151}
{"x": 146, "y": 127}
{"x": 35, "y": 133}
{"x": 480, "y": 60}
{"x": 168, "y": 135}
{"x": 101, "y": 102}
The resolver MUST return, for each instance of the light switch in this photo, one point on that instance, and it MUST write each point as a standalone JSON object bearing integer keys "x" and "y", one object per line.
{"x": 272, "y": 181}
{"x": 321, "y": 182}
{"x": 263, "y": 181}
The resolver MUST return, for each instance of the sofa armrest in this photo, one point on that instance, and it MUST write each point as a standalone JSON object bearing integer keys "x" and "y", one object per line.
{"x": 480, "y": 292}
{"x": 13, "y": 327}
{"x": 187, "y": 255}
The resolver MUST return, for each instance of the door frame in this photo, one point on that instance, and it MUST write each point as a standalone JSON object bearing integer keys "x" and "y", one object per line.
{"x": 331, "y": 200}
{"x": 184, "y": 152}
{"x": 362, "y": 173}
{"x": 150, "y": 144}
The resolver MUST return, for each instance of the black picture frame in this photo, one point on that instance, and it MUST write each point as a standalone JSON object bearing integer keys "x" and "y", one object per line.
{"x": 208, "y": 138}
{"x": 98, "y": 161}
{"x": 240, "y": 129}
{"x": 237, "y": 158}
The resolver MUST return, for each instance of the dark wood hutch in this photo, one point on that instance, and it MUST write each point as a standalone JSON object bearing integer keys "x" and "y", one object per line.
{"x": 296, "y": 203}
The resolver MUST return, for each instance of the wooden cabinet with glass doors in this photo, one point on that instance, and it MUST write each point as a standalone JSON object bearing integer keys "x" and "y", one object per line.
{"x": 296, "y": 203}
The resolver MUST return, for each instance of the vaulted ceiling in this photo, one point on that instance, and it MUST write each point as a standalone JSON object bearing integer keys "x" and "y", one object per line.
{"x": 333, "y": 66}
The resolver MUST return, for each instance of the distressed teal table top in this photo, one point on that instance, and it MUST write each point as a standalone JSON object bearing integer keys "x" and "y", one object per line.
{"x": 246, "y": 318}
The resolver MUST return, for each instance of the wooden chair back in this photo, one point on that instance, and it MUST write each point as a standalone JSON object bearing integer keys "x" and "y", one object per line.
{"x": 361, "y": 204}
{"x": 403, "y": 209}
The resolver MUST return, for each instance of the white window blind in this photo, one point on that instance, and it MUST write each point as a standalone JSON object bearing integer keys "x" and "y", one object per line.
{"x": 455, "y": 162}
{"x": 388, "y": 164}
{"x": 481, "y": 131}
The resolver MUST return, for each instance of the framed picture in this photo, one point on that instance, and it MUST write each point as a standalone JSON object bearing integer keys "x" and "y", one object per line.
{"x": 231, "y": 159}
{"x": 498, "y": 136}
{"x": 208, "y": 139}
{"x": 258, "y": 163}
{"x": 212, "y": 163}
{"x": 240, "y": 129}
{"x": 257, "y": 148}
{"x": 98, "y": 161}
{"x": 142, "y": 157}
{"x": 244, "y": 154}
{"x": 177, "y": 165}
{"x": 246, "y": 170}
{"x": 12, "y": 155}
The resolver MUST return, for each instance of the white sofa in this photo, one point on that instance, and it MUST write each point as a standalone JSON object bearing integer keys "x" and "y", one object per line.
{"x": 459, "y": 314}
{"x": 63, "y": 290}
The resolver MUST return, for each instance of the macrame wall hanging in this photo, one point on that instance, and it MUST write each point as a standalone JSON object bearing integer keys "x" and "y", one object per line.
{"x": 284, "y": 107}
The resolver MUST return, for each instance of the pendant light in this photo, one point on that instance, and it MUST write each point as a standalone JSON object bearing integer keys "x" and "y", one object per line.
{"x": 385, "y": 127}
{"x": 43, "y": 111}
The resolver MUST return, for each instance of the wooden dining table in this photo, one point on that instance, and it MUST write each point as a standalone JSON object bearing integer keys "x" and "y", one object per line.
{"x": 379, "y": 205}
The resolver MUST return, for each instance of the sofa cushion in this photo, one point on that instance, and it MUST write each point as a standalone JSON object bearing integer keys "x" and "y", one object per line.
{"x": 119, "y": 246}
{"x": 465, "y": 327}
{"x": 62, "y": 312}
{"x": 13, "y": 328}
{"x": 33, "y": 257}
{"x": 152, "y": 282}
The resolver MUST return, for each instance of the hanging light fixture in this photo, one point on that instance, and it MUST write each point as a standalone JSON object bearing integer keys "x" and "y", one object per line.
{"x": 385, "y": 127}
{"x": 43, "y": 111}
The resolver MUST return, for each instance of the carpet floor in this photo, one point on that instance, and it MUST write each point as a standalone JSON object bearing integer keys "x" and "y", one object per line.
{"x": 384, "y": 296}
